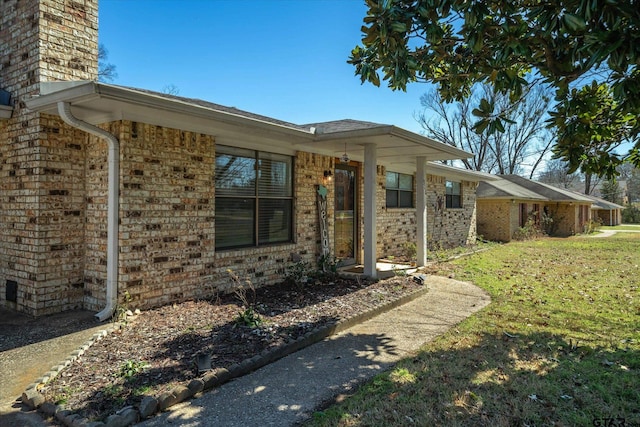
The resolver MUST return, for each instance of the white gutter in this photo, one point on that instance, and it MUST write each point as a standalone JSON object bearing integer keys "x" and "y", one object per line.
{"x": 64, "y": 109}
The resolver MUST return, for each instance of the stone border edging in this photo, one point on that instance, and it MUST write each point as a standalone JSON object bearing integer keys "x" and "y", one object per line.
{"x": 32, "y": 397}
{"x": 211, "y": 379}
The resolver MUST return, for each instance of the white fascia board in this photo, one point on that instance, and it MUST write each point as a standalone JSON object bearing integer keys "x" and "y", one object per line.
{"x": 79, "y": 93}
{"x": 432, "y": 143}
{"x": 463, "y": 174}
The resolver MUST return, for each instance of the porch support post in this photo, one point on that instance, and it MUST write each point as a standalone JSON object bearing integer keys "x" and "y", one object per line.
{"x": 370, "y": 238}
{"x": 421, "y": 211}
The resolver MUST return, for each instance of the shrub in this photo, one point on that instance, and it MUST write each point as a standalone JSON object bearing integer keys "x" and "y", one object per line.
{"x": 592, "y": 226}
{"x": 631, "y": 215}
{"x": 531, "y": 230}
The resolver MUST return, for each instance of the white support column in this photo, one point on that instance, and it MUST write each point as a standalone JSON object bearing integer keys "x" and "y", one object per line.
{"x": 421, "y": 211}
{"x": 370, "y": 238}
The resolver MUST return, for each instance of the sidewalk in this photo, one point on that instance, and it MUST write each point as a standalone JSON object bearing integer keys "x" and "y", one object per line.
{"x": 51, "y": 340}
{"x": 287, "y": 391}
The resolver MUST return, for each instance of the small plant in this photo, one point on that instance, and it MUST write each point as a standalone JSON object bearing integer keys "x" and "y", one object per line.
{"x": 298, "y": 273}
{"x": 120, "y": 313}
{"x": 398, "y": 272}
{"x": 411, "y": 251}
{"x": 114, "y": 392}
{"x": 328, "y": 264}
{"x": 141, "y": 391}
{"x": 437, "y": 251}
{"x": 249, "y": 316}
{"x": 131, "y": 368}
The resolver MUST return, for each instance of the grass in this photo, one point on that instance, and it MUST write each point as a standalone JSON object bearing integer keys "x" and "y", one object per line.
{"x": 558, "y": 346}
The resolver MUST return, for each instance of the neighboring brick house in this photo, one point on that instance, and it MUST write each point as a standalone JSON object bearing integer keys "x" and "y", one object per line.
{"x": 605, "y": 212}
{"x": 507, "y": 203}
{"x": 106, "y": 189}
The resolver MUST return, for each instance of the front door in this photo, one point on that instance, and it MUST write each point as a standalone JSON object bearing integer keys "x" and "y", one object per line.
{"x": 345, "y": 214}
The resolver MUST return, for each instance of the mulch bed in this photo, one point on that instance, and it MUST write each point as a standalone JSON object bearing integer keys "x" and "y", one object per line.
{"x": 157, "y": 349}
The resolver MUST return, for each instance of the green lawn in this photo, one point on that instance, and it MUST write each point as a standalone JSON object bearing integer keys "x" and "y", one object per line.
{"x": 558, "y": 346}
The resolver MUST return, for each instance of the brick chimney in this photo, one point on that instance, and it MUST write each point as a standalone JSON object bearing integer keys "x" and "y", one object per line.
{"x": 47, "y": 40}
{"x": 42, "y": 211}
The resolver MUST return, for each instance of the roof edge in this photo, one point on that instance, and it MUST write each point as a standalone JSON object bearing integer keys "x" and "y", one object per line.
{"x": 78, "y": 91}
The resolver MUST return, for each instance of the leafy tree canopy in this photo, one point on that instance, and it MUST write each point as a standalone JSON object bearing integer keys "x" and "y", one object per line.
{"x": 508, "y": 44}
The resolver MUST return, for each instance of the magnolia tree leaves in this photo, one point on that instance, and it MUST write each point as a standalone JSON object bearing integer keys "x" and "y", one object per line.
{"x": 508, "y": 44}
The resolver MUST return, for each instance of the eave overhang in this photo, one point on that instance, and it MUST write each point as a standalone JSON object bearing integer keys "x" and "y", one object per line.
{"x": 97, "y": 103}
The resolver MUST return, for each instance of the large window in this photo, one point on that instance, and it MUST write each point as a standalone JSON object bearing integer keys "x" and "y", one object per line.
{"x": 453, "y": 195}
{"x": 254, "y": 198}
{"x": 399, "y": 190}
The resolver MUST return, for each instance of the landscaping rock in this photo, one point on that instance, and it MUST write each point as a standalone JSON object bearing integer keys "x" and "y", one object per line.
{"x": 181, "y": 393}
{"x": 32, "y": 398}
{"x": 129, "y": 415}
{"x": 115, "y": 421}
{"x": 196, "y": 386}
{"x": 166, "y": 400}
{"x": 148, "y": 406}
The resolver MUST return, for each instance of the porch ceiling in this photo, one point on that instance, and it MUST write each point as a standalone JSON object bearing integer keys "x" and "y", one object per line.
{"x": 395, "y": 147}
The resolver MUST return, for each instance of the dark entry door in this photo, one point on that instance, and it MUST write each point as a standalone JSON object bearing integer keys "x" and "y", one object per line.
{"x": 345, "y": 214}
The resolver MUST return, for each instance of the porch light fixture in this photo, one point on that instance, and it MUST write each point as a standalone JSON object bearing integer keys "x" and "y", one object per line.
{"x": 345, "y": 157}
{"x": 328, "y": 175}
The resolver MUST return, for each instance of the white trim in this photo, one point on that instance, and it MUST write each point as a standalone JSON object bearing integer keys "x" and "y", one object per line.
{"x": 421, "y": 211}
{"x": 370, "y": 186}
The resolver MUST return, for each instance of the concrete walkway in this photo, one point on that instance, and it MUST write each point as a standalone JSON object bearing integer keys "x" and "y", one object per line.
{"x": 287, "y": 392}
{"x": 610, "y": 232}
{"x": 51, "y": 340}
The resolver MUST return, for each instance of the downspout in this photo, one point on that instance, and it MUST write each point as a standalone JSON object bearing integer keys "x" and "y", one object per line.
{"x": 64, "y": 109}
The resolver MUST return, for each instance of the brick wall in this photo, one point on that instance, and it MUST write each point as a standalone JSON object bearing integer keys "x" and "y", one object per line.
{"x": 448, "y": 228}
{"x": 41, "y": 194}
{"x": 497, "y": 219}
{"x": 445, "y": 227}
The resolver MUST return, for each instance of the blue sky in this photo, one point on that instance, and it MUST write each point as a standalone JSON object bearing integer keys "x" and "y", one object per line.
{"x": 281, "y": 58}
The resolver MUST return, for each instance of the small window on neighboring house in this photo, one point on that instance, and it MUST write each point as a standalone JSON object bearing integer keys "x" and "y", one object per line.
{"x": 399, "y": 190}
{"x": 453, "y": 195}
{"x": 254, "y": 198}
{"x": 523, "y": 216}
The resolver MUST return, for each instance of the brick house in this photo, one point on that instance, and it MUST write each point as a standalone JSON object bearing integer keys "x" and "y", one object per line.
{"x": 106, "y": 189}
{"x": 507, "y": 203}
{"x": 606, "y": 212}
